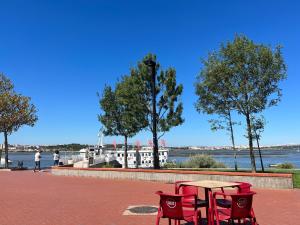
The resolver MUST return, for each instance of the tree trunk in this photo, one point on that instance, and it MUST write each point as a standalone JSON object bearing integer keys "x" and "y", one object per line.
{"x": 154, "y": 121}
{"x": 6, "y": 149}
{"x": 137, "y": 158}
{"x": 259, "y": 151}
{"x": 125, "y": 153}
{"x": 250, "y": 138}
{"x": 0, "y": 155}
{"x": 232, "y": 141}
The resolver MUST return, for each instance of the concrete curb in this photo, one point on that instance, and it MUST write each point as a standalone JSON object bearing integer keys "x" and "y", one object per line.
{"x": 258, "y": 180}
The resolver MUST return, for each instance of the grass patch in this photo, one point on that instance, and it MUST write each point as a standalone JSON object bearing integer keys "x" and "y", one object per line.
{"x": 296, "y": 179}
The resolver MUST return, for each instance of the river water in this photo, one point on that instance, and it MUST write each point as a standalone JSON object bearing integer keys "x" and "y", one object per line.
{"x": 224, "y": 156}
{"x": 243, "y": 158}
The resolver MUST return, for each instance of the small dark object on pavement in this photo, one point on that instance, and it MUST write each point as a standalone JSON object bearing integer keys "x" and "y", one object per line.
{"x": 143, "y": 209}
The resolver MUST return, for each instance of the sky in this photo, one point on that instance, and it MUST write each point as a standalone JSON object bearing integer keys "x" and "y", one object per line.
{"x": 61, "y": 53}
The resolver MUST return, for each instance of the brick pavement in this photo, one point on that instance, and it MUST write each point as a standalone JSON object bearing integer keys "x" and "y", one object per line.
{"x": 28, "y": 198}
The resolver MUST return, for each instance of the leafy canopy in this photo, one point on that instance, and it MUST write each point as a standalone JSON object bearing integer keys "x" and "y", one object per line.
{"x": 123, "y": 108}
{"x": 168, "y": 92}
{"x": 15, "y": 109}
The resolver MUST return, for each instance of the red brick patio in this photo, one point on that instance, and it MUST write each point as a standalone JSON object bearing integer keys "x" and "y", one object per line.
{"x": 29, "y": 198}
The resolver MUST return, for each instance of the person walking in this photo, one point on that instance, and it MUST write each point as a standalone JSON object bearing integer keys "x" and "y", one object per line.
{"x": 37, "y": 160}
{"x": 56, "y": 158}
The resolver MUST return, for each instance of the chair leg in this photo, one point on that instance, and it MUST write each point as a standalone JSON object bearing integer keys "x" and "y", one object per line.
{"x": 210, "y": 219}
{"x": 197, "y": 218}
{"x": 157, "y": 220}
{"x": 170, "y": 221}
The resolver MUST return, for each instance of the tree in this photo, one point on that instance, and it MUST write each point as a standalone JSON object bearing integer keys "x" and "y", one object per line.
{"x": 123, "y": 110}
{"x": 214, "y": 99}
{"x": 258, "y": 125}
{"x": 15, "y": 111}
{"x": 164, "y": 108}
{"x": 251, "y": 72}
{"x": 6, "y": 87}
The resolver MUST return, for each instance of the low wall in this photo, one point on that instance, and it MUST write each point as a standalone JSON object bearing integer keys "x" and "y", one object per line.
{"x": 258, "y": 180}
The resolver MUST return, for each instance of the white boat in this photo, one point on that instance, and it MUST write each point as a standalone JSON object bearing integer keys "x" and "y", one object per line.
{"x": 141, "y": 158}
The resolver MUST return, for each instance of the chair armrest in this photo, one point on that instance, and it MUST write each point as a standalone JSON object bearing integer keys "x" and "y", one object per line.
{"x": 219, "y": 193}
{"x": 158, "y": 192}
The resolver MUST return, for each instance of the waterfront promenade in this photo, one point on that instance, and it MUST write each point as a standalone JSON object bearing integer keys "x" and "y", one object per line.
{"x": 29, "y": 198}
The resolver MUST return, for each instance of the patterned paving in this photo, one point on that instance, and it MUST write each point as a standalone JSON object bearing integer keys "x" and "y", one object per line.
{"x": 29, "y": 198}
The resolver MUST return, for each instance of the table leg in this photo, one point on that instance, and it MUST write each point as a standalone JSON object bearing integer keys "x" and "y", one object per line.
{"x": 208, "y": 207}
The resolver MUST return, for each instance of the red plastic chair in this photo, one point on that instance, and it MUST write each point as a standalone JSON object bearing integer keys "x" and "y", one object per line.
{"x": 240, "y": 209}
{"x": 171, "y": 207}
{"x": 189, "y": 190}
{"x": 243, "y": 187}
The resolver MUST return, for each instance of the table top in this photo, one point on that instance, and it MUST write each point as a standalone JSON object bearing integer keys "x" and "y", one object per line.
{"x": 209, "y": 184}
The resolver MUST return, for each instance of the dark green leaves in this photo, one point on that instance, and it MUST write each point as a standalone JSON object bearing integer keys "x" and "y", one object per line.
{"x": 15, "y": 109}
{"x": 123, "y": 108}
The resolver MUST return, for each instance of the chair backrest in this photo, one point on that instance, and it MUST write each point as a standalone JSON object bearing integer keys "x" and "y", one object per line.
{"x": 185, "y": 189}
{"x": 244, "y": 187}
{"x": 241, "y": 205}
{"x": 171, "y": 205}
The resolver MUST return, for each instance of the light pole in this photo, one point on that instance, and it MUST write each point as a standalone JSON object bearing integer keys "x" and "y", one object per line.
{"x": 152, "y": 64}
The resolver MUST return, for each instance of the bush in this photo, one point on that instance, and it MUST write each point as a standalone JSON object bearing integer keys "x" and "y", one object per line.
{"x": 286, "y": 165}
{"x": 168, "y": 165}
{"x": 202, "y": 161}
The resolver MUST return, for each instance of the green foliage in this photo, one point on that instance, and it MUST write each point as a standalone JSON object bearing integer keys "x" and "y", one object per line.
{"x": 169, "y": 105}
{"x": 123, "y": 108}
{"x": 296, "y": 179}
{"x": 168, "y": 165}
{"x": 15, "y": 111}
{"x": 243, "y": 76}
{"x": 202, "y": 161}
{"x": 258, "y": 126}
{"x": 286, "y": 165}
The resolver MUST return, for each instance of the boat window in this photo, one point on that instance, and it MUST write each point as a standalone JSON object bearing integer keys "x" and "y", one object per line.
{"x": 118, "y": 154}
{"x": 134, "y": 162}
{"x": 142, "y": 162}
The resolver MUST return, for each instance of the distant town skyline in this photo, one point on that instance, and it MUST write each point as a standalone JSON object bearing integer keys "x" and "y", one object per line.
{"x": 60, "y": 54}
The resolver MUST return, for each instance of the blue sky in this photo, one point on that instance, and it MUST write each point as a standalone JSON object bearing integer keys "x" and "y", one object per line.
{"x": 62, "y": 52}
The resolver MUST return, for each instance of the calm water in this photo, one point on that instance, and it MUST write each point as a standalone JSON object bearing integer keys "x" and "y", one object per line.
{"x": 243, "y": 159}
{"x": 28, "y": 158}
{"x": 269, "y": 157}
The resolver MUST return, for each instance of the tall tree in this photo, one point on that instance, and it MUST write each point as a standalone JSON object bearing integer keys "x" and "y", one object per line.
{"x": 164, "y": 108}
{"x": 123, "y": 110}
{"x": 214, "y": 99}
{"x": 15, "y": 111}
{"x": 251, "y": 72}
{"x": 6, "y": 87}
{"x": 258, "y": 125}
